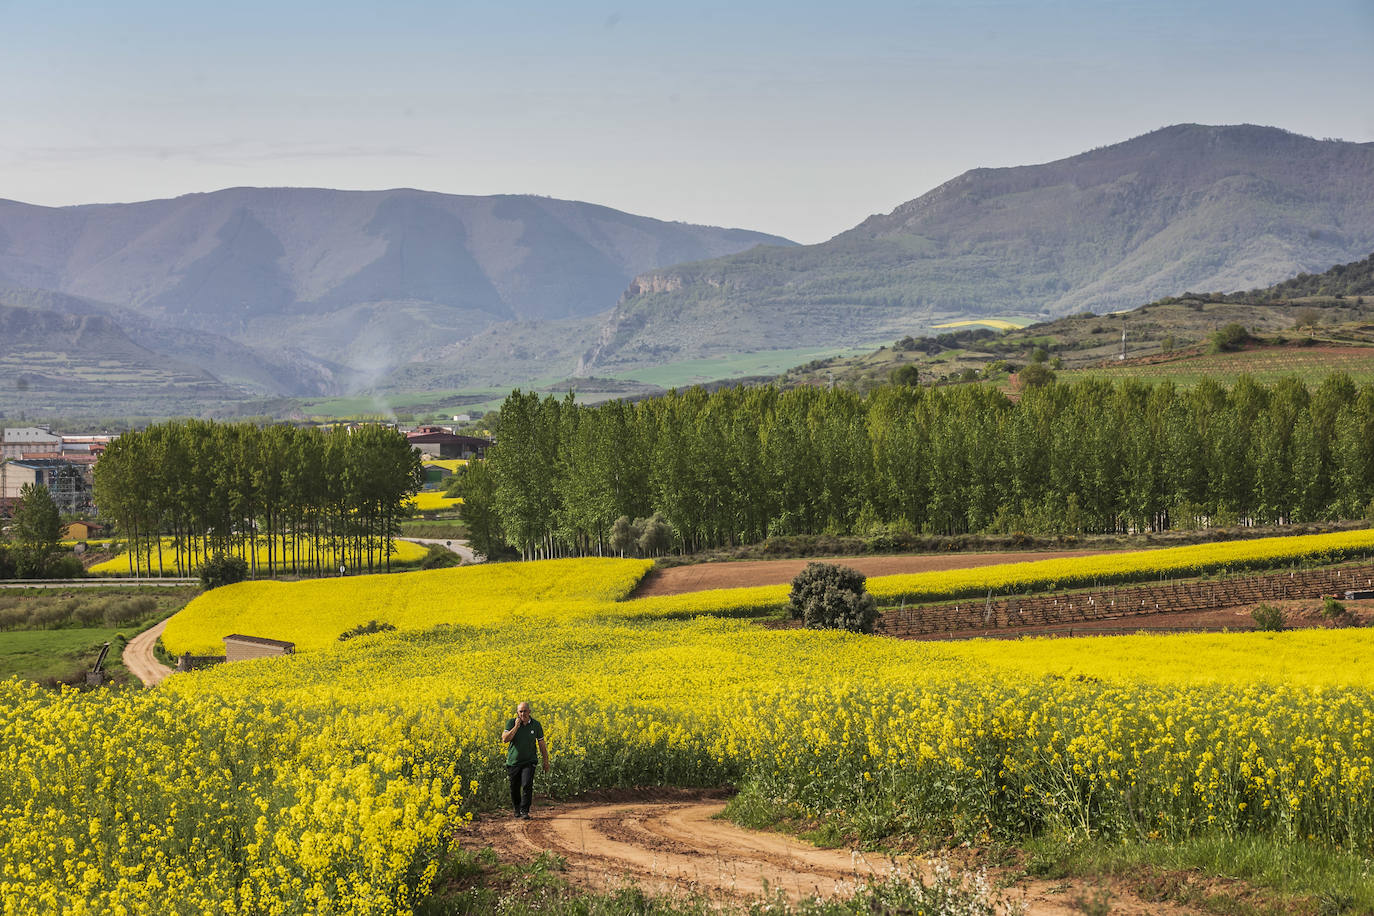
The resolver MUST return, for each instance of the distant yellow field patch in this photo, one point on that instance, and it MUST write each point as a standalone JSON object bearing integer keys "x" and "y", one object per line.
{"x": 434, "y": 501}
{"x": 997, "y": 323}
{"x": 449, "y": 464}
{"x": 404, "y": 552}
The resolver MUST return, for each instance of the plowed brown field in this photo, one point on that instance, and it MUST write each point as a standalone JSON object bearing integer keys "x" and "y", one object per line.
{"x": 743, "y": 573}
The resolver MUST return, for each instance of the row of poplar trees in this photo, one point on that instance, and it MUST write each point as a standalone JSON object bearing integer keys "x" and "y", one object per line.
{"x": 741, "y": 464}
{"x": 299, "y": 499}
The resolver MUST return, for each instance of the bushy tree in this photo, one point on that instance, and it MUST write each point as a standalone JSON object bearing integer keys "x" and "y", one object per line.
{"x": 476, "y": 485}
{"x": 1231, "y": 337}
{"x": 223, "y": 569}
{"x": 1036, "y": 375}
{"x": 1269, "y": 618}
{"x": 624, "y": 535}
{"x": 656, "y": 536}
{"x": 37, "y": 531}
{"x": 826, "y": 596}
{"x": 908, "y": 374}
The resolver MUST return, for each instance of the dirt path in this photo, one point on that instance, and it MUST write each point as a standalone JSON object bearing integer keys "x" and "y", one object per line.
{"x": 459, "y": 547}
{"x": 139, "y": 658}
{"x": 743, "y": 573}
{"x": 674, "y": 843}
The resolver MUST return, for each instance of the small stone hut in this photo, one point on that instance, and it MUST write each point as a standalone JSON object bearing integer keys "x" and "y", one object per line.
{"x": 239, "y": 648}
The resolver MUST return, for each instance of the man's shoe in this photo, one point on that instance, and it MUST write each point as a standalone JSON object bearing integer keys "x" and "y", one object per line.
{"x": 525, "y": 814}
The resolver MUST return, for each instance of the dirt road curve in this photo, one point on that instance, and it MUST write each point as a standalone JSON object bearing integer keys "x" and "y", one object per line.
{"x": 139, "y": 658}
{"x": 676, "y": 845}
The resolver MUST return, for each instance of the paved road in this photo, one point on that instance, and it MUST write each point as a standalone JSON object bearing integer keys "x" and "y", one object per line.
{"x": 139, "y": 658}
{"x": 94, "y": 583}
{"x": 459, "y": 547}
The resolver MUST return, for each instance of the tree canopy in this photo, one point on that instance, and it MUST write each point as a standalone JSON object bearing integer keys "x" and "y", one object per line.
{"x": 739, "y": 465}
{"x": 278, "y": 495}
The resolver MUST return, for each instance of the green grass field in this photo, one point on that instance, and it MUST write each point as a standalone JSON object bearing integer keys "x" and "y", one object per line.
{"x": 697, "y": 371}
{"x": 385, "y": 404}
{"x": 57, "y": 633}
{"x": 37, "y": 655}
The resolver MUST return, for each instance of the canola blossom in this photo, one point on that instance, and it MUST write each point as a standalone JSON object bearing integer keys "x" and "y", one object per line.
{"x": 434, "y": 501}
{"x": 313, "y": 613}
{"x": 331, "y": 781}
{"x": 1038, "y": 575}
{"x": 449, "y": 464}
{"x": 1136, "y": 565}
{"x": 326, "y": 552}
{"x": 142, "y": 802}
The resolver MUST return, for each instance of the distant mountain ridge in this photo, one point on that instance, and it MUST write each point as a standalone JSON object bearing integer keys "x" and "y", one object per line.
{"x": 1188, "y": 207}
{"x": 337, "y": 286}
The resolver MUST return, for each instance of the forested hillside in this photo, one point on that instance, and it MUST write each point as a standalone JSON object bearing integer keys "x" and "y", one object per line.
{"x": 1354, "y": 279}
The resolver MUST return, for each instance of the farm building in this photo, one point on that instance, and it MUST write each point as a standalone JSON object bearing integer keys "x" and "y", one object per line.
{"x": 23, "y": 441}
{"x": 440, "y": 469}
{"x": 437, "y": 442}
{"x": 239, "y": 648}
{"x": 82, "y": 531}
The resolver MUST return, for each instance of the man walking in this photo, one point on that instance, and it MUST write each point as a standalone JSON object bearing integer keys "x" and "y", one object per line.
{"x": 523, "y": 734}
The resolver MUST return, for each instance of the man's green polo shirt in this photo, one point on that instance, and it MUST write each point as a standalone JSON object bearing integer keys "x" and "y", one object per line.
{"x": 524, "y": 747}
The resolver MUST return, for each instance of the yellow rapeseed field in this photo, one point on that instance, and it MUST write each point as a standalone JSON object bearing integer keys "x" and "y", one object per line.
{"x": 405, "y": 553}
{"x": 329, "y": 781}
{"x": 435, "y": 501}
{"x": 313, "y": 613}
{"x": 1175, "y": 562}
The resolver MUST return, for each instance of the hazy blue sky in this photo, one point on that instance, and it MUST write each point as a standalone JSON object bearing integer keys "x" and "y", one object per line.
{"x": 798, "y": 118}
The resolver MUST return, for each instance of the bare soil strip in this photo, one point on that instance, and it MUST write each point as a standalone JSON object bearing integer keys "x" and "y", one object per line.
{"x": 673, "y": 843}
{"x": 678, "y": 580}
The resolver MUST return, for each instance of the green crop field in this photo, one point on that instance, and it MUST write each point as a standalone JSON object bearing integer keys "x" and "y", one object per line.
{"x": 1266, "y": 365}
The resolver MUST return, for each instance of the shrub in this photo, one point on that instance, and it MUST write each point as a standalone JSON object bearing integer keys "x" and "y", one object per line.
{"x": 825, "y": 596}
{"x": 1338, "y": 613}
{"x": 1231, "y": 337}
{"x": 223, "y": 569}
{"x": 366, "y": 629}
{"x": 440, "y": 557}
{"x": 1036, "y": 375}
{"x": 64, "y": 566}
{"x": 1269, "y": 618}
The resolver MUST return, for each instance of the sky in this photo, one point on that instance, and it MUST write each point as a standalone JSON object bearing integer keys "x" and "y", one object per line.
{"x": 797, "y": 118}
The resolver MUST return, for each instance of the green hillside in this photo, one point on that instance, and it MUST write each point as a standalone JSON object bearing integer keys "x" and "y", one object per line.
{"x": 1329, "y": 327}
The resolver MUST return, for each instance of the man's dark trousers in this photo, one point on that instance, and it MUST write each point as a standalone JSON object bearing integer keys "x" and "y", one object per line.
{"x": 521, "y": 786}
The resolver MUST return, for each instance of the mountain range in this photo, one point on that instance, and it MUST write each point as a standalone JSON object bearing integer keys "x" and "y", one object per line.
{"x": 271, "y": 291}
{"x": 254, "y": 292}
{"x": 1188, "y": 207}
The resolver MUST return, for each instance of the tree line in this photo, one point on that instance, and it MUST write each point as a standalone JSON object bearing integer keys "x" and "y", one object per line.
{"x": 282, "y": 497}
{"x": 741, "y": 464}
